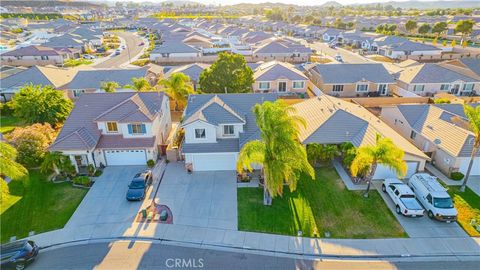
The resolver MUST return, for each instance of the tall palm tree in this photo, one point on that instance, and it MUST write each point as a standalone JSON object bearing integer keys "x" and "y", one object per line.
{"x": 177, "y": 87}
{"x": 282, "y": 156}
{"x": 473, "y": 115}
{"x": 140, "y": 85}
{"x": 110, "y": 87}
{"x": 384, "y": 152}
{"x": 8, "y": 166}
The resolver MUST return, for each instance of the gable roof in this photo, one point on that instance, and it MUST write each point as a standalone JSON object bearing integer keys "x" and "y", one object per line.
{"x": 174, "y": 46}
{"x": 32, "y": 50}
{"x": 431, "y": 73}
{"x": 216, "y": 112}
{"x": 274, "y": 70}
{"x": 46, "y": 75}
{"x": 282, "y": 46}
{"x": 93, "y": 79}
{"x": 353, "y": 73}
{"x": 191, "y": 70}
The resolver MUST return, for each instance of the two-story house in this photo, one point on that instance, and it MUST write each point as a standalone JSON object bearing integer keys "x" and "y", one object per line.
{"x": 279, "y": 77}
{"x": 108, "y": 129}
{"x": 216, "y": 127}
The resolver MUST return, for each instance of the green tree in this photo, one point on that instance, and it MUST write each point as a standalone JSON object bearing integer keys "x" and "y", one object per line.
{"x": 140, "y": 84}
{"x": 410, "y": 25}
{"x": 424, "y": 28}
{"x": 229, "y": 73}
{"x": 110, "y": 87}
{"x": 384, "y": 152}
{"x": 282, "y": 156}
{"x": 439, "y": 27}
{"x": 37, "y": 104}
{"x": 465, "y": 27}
{"x": 177, "y": 87}
{"x": 9, "y": 168}
{"x": 55, "y": 161}
{"x": 473, "y": 116}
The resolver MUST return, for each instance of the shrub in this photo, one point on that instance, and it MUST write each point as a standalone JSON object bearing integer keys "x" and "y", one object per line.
{"x": 98, "y": 173}
{"x": 441, "y": 100}
{"x": 82, "y": 180}
{"x": 91, "y": 169}
{"x": 457, "y": 176}
{"x": 150, "y": 163}
{"x": 141, "y": 62}
{"x": 6, "y": 108}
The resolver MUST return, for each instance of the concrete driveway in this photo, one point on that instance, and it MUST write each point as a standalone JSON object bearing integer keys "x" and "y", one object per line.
{"x": 203, "y": 199}
{"x": 105, "y": 203}
{"x": 423, "y": 226}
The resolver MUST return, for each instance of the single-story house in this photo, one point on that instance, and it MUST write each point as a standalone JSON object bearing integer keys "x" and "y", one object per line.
{"x": 173, "y": 50}
{"x": 193, "y": 71}
{"x": 282, "y": 50}
{"x": 38, "y": 55}
{"x": 279, "y": 77}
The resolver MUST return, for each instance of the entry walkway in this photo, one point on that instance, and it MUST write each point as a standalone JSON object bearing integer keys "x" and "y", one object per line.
{"x": 473, "y": 182}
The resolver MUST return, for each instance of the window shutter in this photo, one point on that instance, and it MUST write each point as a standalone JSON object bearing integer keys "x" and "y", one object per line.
{"x": 130, "y": 129}
{"x": 144, "y": 129}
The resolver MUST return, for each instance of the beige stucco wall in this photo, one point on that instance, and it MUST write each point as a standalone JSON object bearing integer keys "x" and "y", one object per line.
{"x": 274, "y": 86}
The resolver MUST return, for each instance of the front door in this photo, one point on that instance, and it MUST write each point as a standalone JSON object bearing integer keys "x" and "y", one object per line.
{"x": 81, "y": 160}
{"x": 455, "y": 89}
{"x": 382, "y": 89}
{"x": 282, "y": 86}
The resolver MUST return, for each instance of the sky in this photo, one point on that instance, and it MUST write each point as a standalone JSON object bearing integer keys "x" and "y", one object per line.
{"x": 297, "y": 2}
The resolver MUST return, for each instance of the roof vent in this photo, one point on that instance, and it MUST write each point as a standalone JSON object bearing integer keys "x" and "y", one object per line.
{"x": 430, "y": 127}
{"x": 437, "y": 141}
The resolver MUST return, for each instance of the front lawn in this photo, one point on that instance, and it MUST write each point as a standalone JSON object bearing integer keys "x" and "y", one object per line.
{"x": 316, "y": 207}
{"x": 468, "y": 206}
{"x": 8, "y": 123}
{"x": 37, "y": 205}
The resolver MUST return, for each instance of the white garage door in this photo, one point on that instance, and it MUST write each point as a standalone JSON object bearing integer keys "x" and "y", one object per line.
{"x": 214, "y": 162}
{"x": 475, "y": 167}
{"x": 125, "y": 157}
{"x": 383, "y": 172}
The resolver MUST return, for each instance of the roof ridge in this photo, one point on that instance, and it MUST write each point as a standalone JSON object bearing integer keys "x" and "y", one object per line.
{"x": 116, "y": 106}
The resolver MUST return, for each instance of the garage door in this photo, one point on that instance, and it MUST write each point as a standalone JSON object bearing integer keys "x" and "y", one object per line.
{"x": 214, "y": 162}
{"x": 125, "y": 157}
{"x": 383, "y": 172}
{"x": 475, "y": 167}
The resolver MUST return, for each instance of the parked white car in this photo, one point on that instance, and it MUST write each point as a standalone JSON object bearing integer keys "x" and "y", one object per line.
{"x": 433, "y": 197}
{"x": 403, "y": 197}
{"x": 339, "y": 58}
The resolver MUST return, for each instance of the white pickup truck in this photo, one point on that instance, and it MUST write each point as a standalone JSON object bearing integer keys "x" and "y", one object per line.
{"x": 403, "y": 197}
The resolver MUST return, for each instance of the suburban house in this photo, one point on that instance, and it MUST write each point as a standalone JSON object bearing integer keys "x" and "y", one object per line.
{"x": 193, "y": 71}
{"x": 36, "y": 75}
{"x": 282, "y": 50}
{"x": 331, "y": 34}
{"x": 466, "y": 66}
{"x": 216, "y": 127}
{"x": 174, "y": 51}
{"x": 428, "y": 79}
{"x": 351, "y": 80}
{"x": 91, "y": 80}
{"x": 331, "y": 120}
{"x": 107, "y": 129}
{"x": 439, "y": 131}
{"x": 400, "y": 48}
{"x": 38, "y": 55}
{"x": 68, "y": 41}
{"x": 279, "y": 77}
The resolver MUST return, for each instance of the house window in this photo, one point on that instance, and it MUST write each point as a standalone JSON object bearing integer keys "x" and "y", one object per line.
{"x": 44, "y": 57}
{"x": 362, "y": 87}
{"x": 282, "y": 86}
{"x": 418, "y": 88}
{"x": 468, "y": 87}
{"x": 112, "y": 127}
{"x": 298, "y": 84}
{"x": 228, "y": 130}
{"x": 200, "y": 133}
{"x": 77, "y": 93}
{"x": 264, "y": 85}
{"x": 337, "y": 88}
{"x": 445, "y": 87}
{"x": 136, "y": 129}
{"x": 382, "y": 89}
{"x": 413, "y": 135}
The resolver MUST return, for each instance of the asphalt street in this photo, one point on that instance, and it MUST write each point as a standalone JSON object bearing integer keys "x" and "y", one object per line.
{"x": 146, "y": 255}
{"x": 132, "y": 49}
{"x": 347, "y": 56}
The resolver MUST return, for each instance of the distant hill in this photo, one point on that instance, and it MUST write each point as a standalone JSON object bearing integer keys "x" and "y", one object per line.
{"x": 181, "y": 3}
{"x": 427, "y": 4}
{"x": 331, "y": 4}
{"x": 46, "y": 3}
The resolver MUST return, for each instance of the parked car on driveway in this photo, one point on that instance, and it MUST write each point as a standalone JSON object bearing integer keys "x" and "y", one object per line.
{"x": 18, "y": 254}
{"x": 433, "y": 196}
{"x": 139, "y": 185}
{"x": 403, "y": 197}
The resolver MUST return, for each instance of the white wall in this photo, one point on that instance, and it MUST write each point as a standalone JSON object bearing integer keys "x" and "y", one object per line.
{"x": 237, "y": 128}
{"x": 210, "y": 133}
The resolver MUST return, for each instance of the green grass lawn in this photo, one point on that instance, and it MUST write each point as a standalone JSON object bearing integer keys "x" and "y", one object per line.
{"x": 468, "y": 206}
{"x": 37, "y": 205}
{"x": 8, "y": 123}
{"x": 318, "y": 206}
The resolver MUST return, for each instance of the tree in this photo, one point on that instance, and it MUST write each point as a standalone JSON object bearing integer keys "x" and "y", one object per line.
{"x": 283, "y": 157}
{"x": 8, "y": 166}
{"x": 140, "y": 85}
{"x": 55, "y": 161}
{"x": 454, "y": 43}
{"x": 31, "y": 142}
{"x": 229, "y": 73}
{"x": 410, "y": 25}
{"x": 464, "y": 27}
{"x": 178, "y": 87}
{"x": 37, "y": 104}
{"x": 439, "y": 27}
{"x": 473, "y": 116}
{"x": 110, "y": 87}
{"x": 384, "y": 152}
{"x": 424, "y": 28}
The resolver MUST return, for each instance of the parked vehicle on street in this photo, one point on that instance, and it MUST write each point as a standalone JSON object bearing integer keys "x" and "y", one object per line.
{"x": 139, "y": 185}
{"x": 19, "y": 254}
{"x": 118, "y": 51}
{"x": 332, "y": 45}
{"x": 433, "y": 197}
{"x": 141, "y": 44}
{"x": 403, "y": 197}
{"x": 89, "y": 56}
{"x": 339, "y": 58}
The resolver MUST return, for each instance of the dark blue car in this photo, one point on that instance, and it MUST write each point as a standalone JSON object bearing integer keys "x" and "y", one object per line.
{"x": 139, "y": 185}
{"x": 17, "y": 255}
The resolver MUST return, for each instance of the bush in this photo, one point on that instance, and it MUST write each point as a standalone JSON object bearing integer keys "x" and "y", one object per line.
{"x": 141, "y": 62}
{"x": 6, "y": 108}
{"x": 76, "y": 62}
{"x": 98, "y": 173}
{"x": 91, "y": 169}
{"x": 457, "y": 176}
{"x": 150, "y": 163}
{"x": 82, "y": 180}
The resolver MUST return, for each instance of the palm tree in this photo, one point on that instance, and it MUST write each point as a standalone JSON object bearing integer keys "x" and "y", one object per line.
{"x": 52, "y": 161}
{"x": 384, "y": 152}
{"x": 8, "y": 166}
{"x": 110, "y": 87}
{"x": 140, "y": 85}
{"x": 282, "y": 156}
{"x": 177, "y": 87}
{"x": 473, "y": 115}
